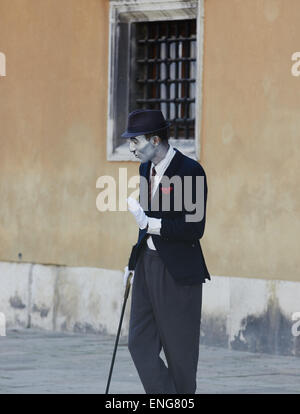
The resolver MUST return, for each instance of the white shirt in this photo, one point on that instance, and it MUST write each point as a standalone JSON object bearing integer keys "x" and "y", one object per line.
{"x": 155, "y": 223}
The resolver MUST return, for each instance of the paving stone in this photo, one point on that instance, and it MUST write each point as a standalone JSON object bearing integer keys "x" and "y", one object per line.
{"x": 34, "y": 361}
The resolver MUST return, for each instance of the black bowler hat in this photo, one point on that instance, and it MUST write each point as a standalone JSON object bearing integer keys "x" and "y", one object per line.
{"x": 145, "y": 121}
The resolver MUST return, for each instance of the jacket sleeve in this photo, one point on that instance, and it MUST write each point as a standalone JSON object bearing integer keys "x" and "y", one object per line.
{"x": 132, "y": 258}
{"x": 134, "y": 251}
{"x": 179, "y": 228}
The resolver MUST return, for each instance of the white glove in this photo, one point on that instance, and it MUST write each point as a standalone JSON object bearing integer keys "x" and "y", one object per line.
{"x": 126, "y": 274}
{"x": 138, "y": 213}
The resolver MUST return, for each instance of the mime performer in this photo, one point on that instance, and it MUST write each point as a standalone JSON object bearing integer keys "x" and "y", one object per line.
{"x": 167, "y": 260}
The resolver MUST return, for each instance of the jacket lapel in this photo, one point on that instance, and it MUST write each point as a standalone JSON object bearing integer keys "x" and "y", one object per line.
{"x": 170, "y": 171}
{"x": 145, "y": 169}
{"x": 144, "y": 179}
{"x": 145, "y": 172}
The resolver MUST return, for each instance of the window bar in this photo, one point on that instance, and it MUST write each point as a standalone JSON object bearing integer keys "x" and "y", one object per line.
{"x": 153, "y": 48}
{"x": 183, "y": 76}
{"x": 176, "y": 83}
{"x": 182, "y": 38}
{"x": 168, "y": 69}
{"x": 158, "y": 46}
{"x": 170, "y": 60}
{"x": 147, "y": 85}
{"x": 168, "y": 43}
{"x": 187, "y": 74}
{"x": 191, "y": 91}
{"x": 169, "y": 81}
{"x": 169, "y": 100}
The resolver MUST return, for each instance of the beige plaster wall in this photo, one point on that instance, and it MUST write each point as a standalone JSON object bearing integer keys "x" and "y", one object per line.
{"x": 250, "y": 138}
{"x": 53, "y": 136}
{"x": 53, "y": 111}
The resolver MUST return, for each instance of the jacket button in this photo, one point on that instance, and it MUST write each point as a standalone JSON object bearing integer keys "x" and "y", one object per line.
{"x": 193, "y": 245}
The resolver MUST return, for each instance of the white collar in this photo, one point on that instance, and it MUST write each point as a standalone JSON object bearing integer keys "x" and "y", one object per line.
{"x": 161, "y": 167}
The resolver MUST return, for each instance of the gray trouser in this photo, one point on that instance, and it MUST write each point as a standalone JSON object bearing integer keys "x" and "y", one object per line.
{"x": 164, "y": 315}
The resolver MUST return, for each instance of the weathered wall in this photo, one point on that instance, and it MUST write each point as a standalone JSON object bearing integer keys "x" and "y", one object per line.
{"x": 53, "y": 115}
{"x": 53, "y": 112}
{"x": 250, "y": 138}
{"x": 62, "y": 298}
{"x": 53, "y": 136}
{"x": 239, "y": 313}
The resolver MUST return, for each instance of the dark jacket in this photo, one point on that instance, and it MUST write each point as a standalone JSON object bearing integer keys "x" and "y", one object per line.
{"x": 178, "y": 244}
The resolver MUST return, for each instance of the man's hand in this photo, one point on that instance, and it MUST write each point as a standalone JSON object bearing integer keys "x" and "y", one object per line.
{"x": 138, "y": 213}
{"x": 126, "y": 274}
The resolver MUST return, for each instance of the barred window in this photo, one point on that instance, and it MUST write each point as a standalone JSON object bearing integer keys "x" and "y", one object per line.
{"x": 154, "y": 46}
{"x": 164, "y": 71}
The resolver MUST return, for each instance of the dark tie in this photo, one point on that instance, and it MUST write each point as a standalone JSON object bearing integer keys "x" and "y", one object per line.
{"x": 151, "y": 183}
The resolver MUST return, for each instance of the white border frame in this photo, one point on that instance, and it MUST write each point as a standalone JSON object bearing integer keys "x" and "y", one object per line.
{"x": 142, "y": 10}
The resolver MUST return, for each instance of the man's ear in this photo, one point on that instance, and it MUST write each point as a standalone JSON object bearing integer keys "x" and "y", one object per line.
{"x": 155, "y": 140}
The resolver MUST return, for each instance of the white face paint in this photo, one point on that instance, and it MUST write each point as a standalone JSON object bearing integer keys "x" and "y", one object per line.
{"x": 144, "y": 150}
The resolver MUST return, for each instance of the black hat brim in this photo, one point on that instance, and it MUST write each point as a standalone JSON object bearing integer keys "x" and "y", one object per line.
{"x": 135, "y": 134}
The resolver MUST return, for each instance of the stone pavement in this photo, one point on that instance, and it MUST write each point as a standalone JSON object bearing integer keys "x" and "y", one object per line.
{"x": 34, "y": 361}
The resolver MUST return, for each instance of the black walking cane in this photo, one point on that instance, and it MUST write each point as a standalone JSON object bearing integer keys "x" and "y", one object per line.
{"x": 127, "y": 289}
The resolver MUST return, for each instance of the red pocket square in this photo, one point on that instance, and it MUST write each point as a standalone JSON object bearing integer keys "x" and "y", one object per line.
{"x": 166, "y": 190}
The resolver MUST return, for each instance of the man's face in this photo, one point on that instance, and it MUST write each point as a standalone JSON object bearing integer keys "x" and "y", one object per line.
{"x": 143, "y": 149}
